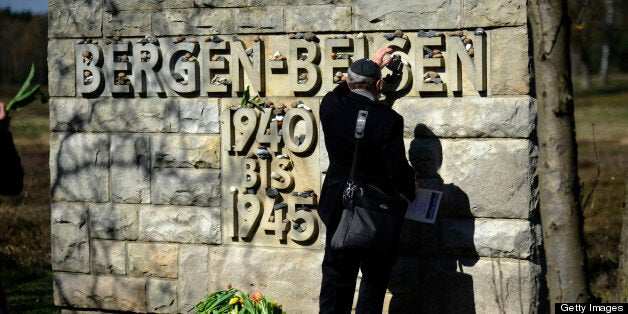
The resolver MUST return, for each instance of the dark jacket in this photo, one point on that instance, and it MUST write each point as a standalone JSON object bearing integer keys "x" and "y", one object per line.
{"x": 11, "y": 173}
{"x": 381, "y": 160}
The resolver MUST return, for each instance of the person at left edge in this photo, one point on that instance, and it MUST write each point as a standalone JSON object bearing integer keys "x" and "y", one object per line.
{"x": 11, "y": 176}
{"x": 11, "y": 172}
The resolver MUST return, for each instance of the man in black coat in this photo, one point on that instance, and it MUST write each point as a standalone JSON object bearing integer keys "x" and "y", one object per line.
{"x": 381, "y": 162}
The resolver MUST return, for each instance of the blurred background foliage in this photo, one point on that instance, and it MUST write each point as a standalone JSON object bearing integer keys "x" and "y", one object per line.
{"x": 24, "y": 40}
{"x": 599, "y": 42}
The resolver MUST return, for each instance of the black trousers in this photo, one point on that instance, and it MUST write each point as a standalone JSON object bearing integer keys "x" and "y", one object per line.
{"x": 340, "y": 272}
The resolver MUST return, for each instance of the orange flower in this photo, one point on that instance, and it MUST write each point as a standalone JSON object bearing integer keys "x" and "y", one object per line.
{"x": 256, "y": 296}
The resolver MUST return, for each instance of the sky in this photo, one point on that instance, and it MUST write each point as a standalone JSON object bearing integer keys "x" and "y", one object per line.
{"x": 35, "y": 6}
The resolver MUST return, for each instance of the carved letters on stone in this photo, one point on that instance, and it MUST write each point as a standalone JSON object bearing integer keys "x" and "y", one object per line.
{"x": 270, "y": 161}
{"x": 270, "y": 175}
{"x": 227, "y": 67}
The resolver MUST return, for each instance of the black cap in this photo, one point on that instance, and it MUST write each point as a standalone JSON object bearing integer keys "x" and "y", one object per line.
{"x": 365, "y": 67}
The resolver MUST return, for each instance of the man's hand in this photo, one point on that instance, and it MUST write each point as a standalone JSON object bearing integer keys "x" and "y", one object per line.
{"x": 4, "y": 116}
{"x": 378, "y": 57}
{"x": 3, "y": 111}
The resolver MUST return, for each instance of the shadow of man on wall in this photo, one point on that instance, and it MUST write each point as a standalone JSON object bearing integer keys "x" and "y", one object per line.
{"x": 429, "y": 276}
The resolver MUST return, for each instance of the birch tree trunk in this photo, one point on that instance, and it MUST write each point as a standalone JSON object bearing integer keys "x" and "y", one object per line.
{"x": 580, "y": 65}
{"x": 606, "y": 45}
{"x": 561, "y": 213}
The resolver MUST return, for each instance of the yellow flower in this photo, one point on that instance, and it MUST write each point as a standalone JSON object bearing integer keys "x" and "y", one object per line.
{"x": 233, "y": 301}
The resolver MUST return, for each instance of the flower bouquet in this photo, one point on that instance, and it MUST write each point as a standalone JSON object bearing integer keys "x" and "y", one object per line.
{"x": 237, "y": 302}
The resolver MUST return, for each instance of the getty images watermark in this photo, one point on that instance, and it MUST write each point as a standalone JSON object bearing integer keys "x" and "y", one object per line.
{"x": 591, "y": 308}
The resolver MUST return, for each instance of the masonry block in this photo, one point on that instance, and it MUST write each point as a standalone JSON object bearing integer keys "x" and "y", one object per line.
{"x": 265, "y": 19}
{"x": 61, "y": 68}
{"x": 75, "y": 19}
{"x": 186, "y": 151}
{"x": 508, "y": 117}
{"x": 512, "y": 238}
{"x": 127, "y": 23}
{"x": 193, "y": 21}
{"x": 108, "y": 257}
{"x": 469, "y": 169}
{"x": 199, "y": 116}
{"x": 194, "y": 276}
{"x": 510, "y": 65}
{"x": 295, "y": 277}
{"x": 180, "y": 224}
{"x": 101, "y": 292}
{"x": 131, "y": 115}
{"x": 161, "y": 295}
{"x": 79, "y": 167}
{"x": 130, "y": 168}
{"x": 494, "y": 13}
{"x": 152, "y": 259}
{"x": 198, "y": 187}
{"x": 112, "y": 221}
{"x": 372, "y": 15}
{"x": 321, "y": 18}
{"x": 70, "y": 240}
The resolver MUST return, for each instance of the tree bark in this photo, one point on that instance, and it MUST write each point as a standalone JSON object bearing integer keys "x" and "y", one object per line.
{"x": 559, "y": 192}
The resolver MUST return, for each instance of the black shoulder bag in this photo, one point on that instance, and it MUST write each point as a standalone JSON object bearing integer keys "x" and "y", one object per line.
{"x": 371, "y": 220}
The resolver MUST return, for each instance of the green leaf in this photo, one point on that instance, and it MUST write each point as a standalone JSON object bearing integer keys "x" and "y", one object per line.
{"x": 257, "y": 103}
{"x": 224, "y": 298}
{"x": 28, "y": 80}
{"x": 245, "y": 97}
{"x": 23, "y": 97}
{"x": 218, "y": 303}
{"x": 249, "y": 305}
{"x": 215, "y": 300}
{"x": 19, "y": 105}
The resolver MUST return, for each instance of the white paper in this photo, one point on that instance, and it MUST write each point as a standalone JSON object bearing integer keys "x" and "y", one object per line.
{"x": 425, "y": 206}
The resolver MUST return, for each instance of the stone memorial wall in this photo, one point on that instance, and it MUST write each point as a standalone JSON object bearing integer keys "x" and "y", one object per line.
{"x": 167, "y": 184}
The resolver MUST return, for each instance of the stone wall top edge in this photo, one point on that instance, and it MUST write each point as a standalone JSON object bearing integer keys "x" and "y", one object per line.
{"x": 367, "y": 31}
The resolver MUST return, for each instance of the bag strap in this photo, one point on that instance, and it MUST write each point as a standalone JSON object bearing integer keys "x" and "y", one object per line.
{"x": 360, "y": 124}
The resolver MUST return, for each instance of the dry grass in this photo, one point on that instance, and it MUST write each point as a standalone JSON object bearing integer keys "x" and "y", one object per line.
{"x": 25, "y": 218}
{"x": 602, "y": 123}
